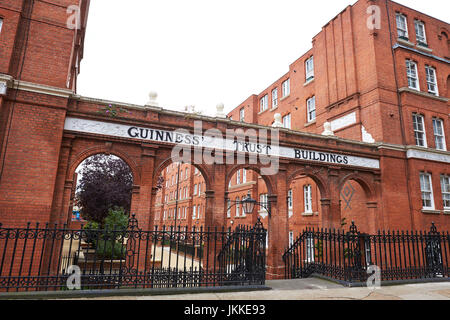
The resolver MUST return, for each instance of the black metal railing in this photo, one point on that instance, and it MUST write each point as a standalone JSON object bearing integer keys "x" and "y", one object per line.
{"x": 49, "y": 258}
{"x": 351, "y": 256}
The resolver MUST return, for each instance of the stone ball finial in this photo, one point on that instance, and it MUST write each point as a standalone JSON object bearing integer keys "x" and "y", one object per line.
{"x": 219, "y": 110}
{"x": 152, "y": 99}
{"x": 278, "y": 123}
{"x": 327, "y": 129}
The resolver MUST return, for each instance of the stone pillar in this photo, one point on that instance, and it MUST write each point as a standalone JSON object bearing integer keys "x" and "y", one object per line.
{"x": 278, "y": 228}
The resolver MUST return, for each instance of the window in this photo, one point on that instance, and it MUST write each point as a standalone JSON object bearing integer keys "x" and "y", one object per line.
{"x": 310, "y": 249}
{"x": 291, "y": 238}
{"x": 420, "y": 32}
{"x": 242, "y": 115}
{"x": 309, "y": 67}
{"x": 195, "y": 190}
{"x": 238, "y": 206}
{"x": 229, "y": 208}
{"x": 263, "y": 198}
{"x": 194, "y": 212}
{"x": 1, "y": 24}
{"x": 244, "y": 176}
{"x": 200, "y": 189}
{"x": 426, "y": 188}
{"x": 439, "y": 136}
{"x": 238, "y": 177}
{"x": 431, "y": 80}
{"x": 286, "y": 88}
{"x": 187, "y": 174}
{"x": 196, "y": 171}
{"x": 419, "y": 130}
{"x": 165, "y": 215}
{"x": 445, "y": 187}
{"x": 275, "y": 98}
{"x": 264, "y": 104}
{"x": 307, "y": 192}
{"x": 402, "y": 26}
{"x": 181, "y": 175}
{"x": 411, "y": 73}
{"x": 290, "y": 200}
{"x": 311, "y": 109}
{"x": 287, "y": 121}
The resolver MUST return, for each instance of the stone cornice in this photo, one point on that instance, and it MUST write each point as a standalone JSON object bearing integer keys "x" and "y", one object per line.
{"x": 423, "y": 94}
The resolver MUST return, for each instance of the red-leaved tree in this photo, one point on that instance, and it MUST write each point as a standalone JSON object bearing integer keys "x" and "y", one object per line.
{"x": 106, "y": 182}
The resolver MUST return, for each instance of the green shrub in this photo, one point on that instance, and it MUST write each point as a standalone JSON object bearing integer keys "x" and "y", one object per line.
{"x": 110, "y": 250}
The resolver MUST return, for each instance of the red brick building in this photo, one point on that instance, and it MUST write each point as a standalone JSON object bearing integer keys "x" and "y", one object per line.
{"x": 388, "y": 85}
{"x": 384, "y": 92}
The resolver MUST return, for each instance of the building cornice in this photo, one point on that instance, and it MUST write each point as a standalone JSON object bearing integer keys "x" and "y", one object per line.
{"x": 429, "y": 55}
{"x": 414, "y": 152}
{"x": 423, "y": 94}
{"x": 34, "y": 87}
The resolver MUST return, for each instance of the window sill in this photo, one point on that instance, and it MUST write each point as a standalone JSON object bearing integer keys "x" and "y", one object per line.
{"x": 308, "y": 214}
{"x": 430, "y": 211}
{"x": 261, "y": 112}
{"x": 405, "y": 42}
{"x": 310, "y": 123}
{"x": 422, "y": 48}
{"x": 284, "y": 98}
{"x": 273, "y": 109}
{"x": 447, "y": 211}
{"x": 423, "y": 94}
{"x": 309, "y": 82}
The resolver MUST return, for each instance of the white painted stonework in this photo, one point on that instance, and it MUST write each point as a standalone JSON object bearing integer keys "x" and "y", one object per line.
{"x": 185, "y": 138}
{"x": 367, "y": 137}
{"x": 428, "y": 155}
{"x": 343, "y": 122}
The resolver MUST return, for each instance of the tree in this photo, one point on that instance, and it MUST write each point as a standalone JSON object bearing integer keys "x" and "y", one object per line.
{"x": 106, "y": 182}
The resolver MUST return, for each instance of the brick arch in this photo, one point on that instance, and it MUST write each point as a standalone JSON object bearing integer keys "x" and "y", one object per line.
{"x": 165, "y": 162}
{"x": 83, "y": 155}
{"x": 267, "y": 179}
{"x": 368, "y": 188}
{"x": 315, "y": 176}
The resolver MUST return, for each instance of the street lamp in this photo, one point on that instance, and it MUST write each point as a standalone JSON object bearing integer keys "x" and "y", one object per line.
{"x": 249, "y": 204}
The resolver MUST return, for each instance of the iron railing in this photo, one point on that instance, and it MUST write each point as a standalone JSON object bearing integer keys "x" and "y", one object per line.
{"x": 45, "y": 258}
{"x": 347, "y": 256}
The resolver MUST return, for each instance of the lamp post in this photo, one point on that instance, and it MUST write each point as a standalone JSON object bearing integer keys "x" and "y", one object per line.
{"x": 249, "y": 204}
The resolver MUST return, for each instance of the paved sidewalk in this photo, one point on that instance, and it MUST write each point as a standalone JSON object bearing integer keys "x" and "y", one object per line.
{"x": 317, "y": 289}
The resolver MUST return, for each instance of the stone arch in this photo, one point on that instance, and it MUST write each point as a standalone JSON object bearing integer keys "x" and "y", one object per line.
{"x": 83, "y": 155}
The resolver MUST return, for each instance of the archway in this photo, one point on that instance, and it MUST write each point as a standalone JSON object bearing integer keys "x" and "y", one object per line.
{"x": 179, "y": 197}
{"x": 357, "y": 204}
{"x": 100, "y": 182}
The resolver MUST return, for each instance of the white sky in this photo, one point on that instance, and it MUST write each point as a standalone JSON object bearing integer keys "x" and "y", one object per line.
{"x": 202, "y": 52}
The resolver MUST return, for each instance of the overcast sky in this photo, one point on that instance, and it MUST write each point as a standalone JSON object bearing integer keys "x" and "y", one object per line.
{"x": 202, "y": 52}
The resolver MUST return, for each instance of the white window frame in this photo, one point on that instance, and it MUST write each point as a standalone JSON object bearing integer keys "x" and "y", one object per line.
{"x": 238, "y": 177}
{"x": 195, "y": 189}
{"x": 290, "y": 200}
{"x": 309, "y": 69}
{"x": 402, "y": 25}
{"x": 244, "y": 176}
{"x": 264, "y": 103}
{"x": 311, "y": 109}
{"x": 432, "y": 85}
{"x": 229, "y": 208}
{"x": 419, "y": 134}
{"x": 439, "y": 134}
{"x": 1, "y": 24}
{"x": 412, "y": 75}
{"x": 426, "y": 189}
{"x": 445, "y": 189}
{"x": 238, "y": 206}
{"x": 307, "y": 194}
{"x": 310, "y": 255}
{"x": 291, "y": 238}
{"x": 187, "y": 174}
{"x": 275, "y": 98}
{"x": 286, "y": 88}
{"x": 420, "y": 28}
{"x": 194, "y": 212}
{"x": 264, "y": 199}
{"x": 287, "y": 121}
{"x": 242, "y": 115}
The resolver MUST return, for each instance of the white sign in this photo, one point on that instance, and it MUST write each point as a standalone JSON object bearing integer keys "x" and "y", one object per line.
{"x": 171, "y": 137}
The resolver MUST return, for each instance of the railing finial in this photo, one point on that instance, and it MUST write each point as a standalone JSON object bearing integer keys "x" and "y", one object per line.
{"x": 433, "y": 228}
{"x": 133, "y": 222}
{"x": 353, "y": 228}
